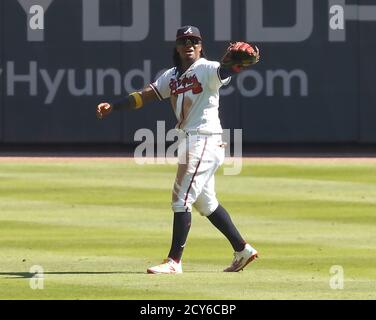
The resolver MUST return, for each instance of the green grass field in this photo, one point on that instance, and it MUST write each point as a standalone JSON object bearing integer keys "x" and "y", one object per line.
{"x": 95, "y": 226}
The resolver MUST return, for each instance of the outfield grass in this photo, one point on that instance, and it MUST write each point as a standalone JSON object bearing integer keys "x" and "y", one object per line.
{"x": 95, "y": 226}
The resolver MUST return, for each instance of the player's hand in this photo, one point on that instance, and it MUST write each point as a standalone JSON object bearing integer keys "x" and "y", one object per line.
{"x": 103, "y": 109}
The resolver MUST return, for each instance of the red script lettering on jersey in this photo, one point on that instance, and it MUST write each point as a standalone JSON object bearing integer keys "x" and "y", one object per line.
{"x": 187, "y": 83}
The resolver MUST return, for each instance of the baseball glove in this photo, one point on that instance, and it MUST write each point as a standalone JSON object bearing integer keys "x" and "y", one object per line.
{"x": 240, "y": 55}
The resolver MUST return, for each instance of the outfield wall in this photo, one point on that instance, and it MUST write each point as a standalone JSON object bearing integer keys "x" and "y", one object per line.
{"x": 314, "y": 84}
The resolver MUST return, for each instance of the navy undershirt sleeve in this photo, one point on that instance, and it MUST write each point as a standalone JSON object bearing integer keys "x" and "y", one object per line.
{"x": 224, "y": 73}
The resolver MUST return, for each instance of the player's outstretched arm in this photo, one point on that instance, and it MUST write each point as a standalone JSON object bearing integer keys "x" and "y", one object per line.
{"x": 133, "y": 101}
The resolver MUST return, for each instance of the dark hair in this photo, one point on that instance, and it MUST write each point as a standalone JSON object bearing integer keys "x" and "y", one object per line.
{"x": 177, "y": 61}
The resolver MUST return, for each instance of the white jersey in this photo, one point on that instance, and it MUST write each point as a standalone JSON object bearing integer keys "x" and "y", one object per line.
{"x": 194, "y": 95}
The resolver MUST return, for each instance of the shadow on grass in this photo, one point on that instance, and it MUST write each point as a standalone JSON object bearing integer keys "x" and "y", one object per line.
{"x": 17, "y": 275}
{"x": 28, "y": 275}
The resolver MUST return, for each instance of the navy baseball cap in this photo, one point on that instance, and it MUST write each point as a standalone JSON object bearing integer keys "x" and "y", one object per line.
{"x": 188, "y": 31}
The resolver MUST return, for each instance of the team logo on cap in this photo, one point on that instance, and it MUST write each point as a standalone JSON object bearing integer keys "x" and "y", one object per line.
{"x": 189, "y": 30}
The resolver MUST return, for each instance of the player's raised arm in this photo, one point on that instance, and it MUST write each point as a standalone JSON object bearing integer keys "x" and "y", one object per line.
{"x": 133, "y": 101}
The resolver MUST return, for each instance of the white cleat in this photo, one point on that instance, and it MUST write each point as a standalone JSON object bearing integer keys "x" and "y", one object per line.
{"x": 169, "y": 266}
{"x": 242, "y": 258}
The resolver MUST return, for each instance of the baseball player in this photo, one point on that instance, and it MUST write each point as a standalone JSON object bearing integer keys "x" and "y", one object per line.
{"x": 193, "y": 88}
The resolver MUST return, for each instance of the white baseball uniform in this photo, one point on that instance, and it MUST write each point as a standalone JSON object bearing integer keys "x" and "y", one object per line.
{"x": 194, "y": 97}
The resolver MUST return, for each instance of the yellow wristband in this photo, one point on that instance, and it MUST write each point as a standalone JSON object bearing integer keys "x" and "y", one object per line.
{"x": 138, "y": 99}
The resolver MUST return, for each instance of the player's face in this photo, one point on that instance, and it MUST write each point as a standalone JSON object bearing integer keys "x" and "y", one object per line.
{"x": 189, "y": 48}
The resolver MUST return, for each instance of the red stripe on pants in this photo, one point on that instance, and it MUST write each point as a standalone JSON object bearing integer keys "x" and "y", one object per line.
{"x": 193, "y": 177}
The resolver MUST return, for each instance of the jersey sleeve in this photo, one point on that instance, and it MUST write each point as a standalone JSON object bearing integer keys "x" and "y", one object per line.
{"x": 161, "y": 86}
{"x": 215, "y": 81}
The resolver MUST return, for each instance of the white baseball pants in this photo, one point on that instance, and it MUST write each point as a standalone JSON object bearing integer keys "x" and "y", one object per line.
{"x": 199, "y": 158}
